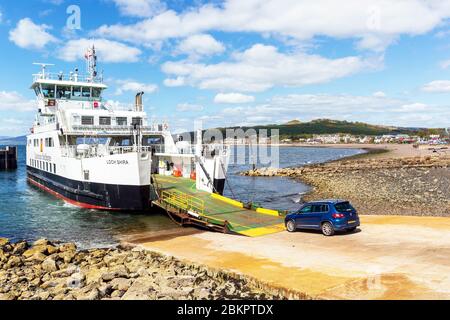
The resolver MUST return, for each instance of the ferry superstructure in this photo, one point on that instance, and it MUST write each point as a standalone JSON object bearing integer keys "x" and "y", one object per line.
{"x": 97, "y": 156}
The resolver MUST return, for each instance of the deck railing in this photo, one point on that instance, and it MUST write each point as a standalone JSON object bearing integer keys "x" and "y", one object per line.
{"x": 183, "y": 201}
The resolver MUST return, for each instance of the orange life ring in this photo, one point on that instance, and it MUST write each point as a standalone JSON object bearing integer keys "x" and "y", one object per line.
{"x": 193, "y": 175}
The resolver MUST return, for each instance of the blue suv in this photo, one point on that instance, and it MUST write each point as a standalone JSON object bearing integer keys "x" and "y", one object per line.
{"x": 326, "y": 215}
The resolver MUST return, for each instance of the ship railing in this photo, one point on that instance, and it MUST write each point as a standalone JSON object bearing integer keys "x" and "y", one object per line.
{"x": 73, "y": 77}
{"x": 101, "y": 150}
{"x": 116, "y": 129}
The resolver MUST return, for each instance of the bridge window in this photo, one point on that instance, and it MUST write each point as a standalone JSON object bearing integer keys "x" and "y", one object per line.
{"x": 48, "y": 91}
{"x": 86, "y": 92}
{"x": 105, "y": 121}
{"x": 121, "y": 121}
{"x": 76, "y": 92}
{"x": 63, "y": 92}
{"x": 96, "y": 93}
{"x": 87, "y": 120}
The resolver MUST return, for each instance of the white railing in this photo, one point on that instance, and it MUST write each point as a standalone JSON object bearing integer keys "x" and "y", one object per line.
{"x": 67, "y": 77}
{"x": 102, "y": 150}
{"x": 110, "y": 129}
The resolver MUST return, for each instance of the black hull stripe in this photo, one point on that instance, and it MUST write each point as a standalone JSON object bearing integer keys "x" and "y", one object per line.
{"x": 113, "y": 197}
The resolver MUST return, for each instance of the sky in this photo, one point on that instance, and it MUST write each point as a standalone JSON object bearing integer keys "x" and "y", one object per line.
{"x": 238, "y": 62}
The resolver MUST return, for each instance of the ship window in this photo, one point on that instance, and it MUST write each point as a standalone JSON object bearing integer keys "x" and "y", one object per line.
{"x": 121, "y": 121}
{"x": 63, "y": 92}
{"x": 87, "y": 120}
{"x": 49, "y": 142}
{"x": 86, "y": 92}
{"x": 46, "y": 166}
{"x": 96, "y": 93}
{"x": 48, "y": 91}
{"x": 54, "y": 168}
{"x": 105, "y": 121}
{"x": 76, "y": 92}
{"x": 136, "y": 121}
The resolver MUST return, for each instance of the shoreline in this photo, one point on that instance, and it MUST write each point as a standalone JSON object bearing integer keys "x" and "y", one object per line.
{"x": 381, "y": 181}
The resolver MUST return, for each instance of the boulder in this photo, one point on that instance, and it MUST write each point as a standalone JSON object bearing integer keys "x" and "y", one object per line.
{"x": 20, "y": 247}
{"x": 49, "y": 265}
{"x": 121, "y": 284}
{"x": 67, "y": 247}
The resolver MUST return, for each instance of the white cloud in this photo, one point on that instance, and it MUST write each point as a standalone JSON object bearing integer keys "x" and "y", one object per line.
{"x": 184, "y": 107}
{"x": 139, "y": 8}
{"x": 13, "y": 101}
{"x": 200, "y": 45}
{"x": 233, "y": 98}
{"x": 29, "y": 35}
{"x": 306, "y": 107}
{"x": 262, "y": 67}
{"x": 437, "y": 86}
{"x": 373, "y": 23}
{"x": 176, "y": 82}
{"x": 134, "y": 86}
{"x": 379, "y": 94}
{"x": 107, "y": 50}
{"x": 1, "y": 16}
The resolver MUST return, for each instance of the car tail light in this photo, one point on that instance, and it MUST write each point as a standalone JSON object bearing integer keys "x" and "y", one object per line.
{"x": 338, "y": 215}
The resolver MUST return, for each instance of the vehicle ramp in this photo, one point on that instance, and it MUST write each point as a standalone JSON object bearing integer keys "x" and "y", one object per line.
{"x": 189, "y": 206}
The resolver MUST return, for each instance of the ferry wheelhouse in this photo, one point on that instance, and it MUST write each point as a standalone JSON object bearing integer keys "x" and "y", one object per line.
{"x": 98, "y": 156}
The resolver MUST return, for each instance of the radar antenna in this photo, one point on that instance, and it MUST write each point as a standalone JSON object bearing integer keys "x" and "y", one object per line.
{"x": 43, "y": 67}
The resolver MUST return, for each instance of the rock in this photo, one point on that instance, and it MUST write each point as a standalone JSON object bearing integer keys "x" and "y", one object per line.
{"x": 34, "y": 250}
{"x": 41, "y": 242}
{"x": 121, "y": 284}
{"x": 64, "y": 273}
{"x": 36, "y": 258}
{"x": 76, "y": 280}
{"x": 3, "y": 242}
{"x": 115, "y": 272}
{"x": 44, "y": 295}
{"x": 14, "y": 261}
{"x": 67, "y": 247}
{"x": 139, "y": 290}
{"x": 66, "y": 256}
{"x": 49, "y": 265}
{"x": 20, "y": 247}
{"x": 6, "y": 296}
{"x": 87, "y": 294}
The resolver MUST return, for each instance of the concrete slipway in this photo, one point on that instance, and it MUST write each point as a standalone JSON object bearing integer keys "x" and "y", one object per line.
{"x": 390, "y": 257}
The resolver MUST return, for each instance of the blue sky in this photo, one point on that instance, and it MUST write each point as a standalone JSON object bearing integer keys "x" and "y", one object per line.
{"x": 239, "y": 62}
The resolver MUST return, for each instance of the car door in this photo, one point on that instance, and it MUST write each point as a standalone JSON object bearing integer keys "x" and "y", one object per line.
{"x": 317, "y": 211}
{"x": 303, "y": 219}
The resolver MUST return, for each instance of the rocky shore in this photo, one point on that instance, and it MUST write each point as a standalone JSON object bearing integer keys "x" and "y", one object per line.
{"x": 51, "y": 271}
{"x": 396, "y": 186}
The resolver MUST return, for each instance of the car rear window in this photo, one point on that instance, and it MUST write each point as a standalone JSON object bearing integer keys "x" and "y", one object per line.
{"x": 343, "y": 207}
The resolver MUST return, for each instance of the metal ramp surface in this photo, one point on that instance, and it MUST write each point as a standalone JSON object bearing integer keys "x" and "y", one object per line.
{"x": 182, "y": 200}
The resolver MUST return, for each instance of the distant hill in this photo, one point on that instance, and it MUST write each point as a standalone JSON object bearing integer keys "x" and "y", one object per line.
{"x": 22, "y": 140}
{"x": 293, "y": 122}
{"x": 295, "y": 129}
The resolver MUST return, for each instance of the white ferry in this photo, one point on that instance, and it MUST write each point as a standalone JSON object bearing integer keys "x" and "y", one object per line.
{"x": 97, "y": 156}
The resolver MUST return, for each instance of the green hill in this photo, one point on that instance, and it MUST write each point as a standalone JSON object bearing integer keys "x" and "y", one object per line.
{"x": 295, "y": 129}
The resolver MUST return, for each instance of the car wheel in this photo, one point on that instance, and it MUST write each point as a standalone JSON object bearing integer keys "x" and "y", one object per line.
{"x": 290, "y": 226}
{"x": 327, "y": 229}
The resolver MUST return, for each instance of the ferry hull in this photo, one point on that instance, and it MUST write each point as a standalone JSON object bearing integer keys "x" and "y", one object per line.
{"x": 92, "y": 195}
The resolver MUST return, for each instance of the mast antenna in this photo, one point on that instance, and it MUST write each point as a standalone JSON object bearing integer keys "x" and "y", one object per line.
{"x": 91, "y": 62}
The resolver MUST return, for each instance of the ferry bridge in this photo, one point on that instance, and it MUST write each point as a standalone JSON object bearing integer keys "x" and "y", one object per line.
{"x": 189, "y": 206}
